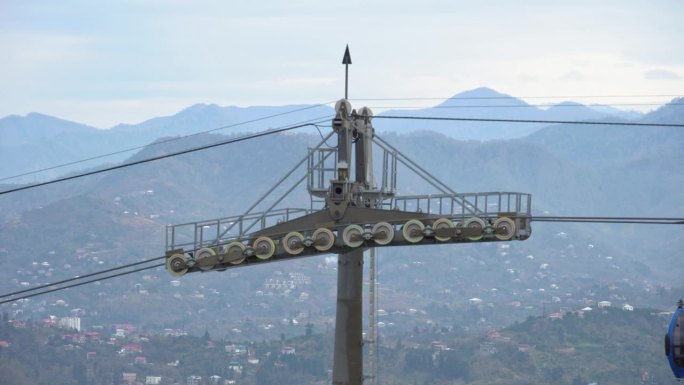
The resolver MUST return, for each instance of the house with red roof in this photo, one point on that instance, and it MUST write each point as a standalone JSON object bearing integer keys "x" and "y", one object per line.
{"x": 130, "y": 349}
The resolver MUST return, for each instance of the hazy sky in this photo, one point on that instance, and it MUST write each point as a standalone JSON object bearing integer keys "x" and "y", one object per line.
{"x": 106, "y": 62}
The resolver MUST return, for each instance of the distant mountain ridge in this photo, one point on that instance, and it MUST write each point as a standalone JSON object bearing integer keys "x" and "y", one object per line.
{"x": 24, "y": 130}
{"x": 51, "y": 141}
{"x": 37, "y": 141}
{"x": 586, "y": 144}
{"x": 484, "y": 103}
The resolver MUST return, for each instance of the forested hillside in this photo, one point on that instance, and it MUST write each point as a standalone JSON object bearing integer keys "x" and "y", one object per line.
{"x": 609, "y": 346}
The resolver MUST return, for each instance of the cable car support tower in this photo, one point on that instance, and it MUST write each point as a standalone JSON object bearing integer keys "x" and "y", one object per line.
{"x": 348, "y": 213}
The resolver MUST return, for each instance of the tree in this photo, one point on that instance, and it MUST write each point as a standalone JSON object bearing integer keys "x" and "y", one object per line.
{"x": 419, "y": 359}
{"x": 452, "y": 364}
{"x": 78, "y": 371}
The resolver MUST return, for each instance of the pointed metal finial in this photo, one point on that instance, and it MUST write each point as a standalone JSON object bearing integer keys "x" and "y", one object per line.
{"x": 346, "y": 60}
{"x": 347, "y": 57}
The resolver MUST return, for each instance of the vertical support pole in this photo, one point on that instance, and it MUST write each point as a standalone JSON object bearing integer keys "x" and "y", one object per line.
{"x": 394, "y": 171}
{"x": 344, "y": 145}
{"x": 384, "y": 170}
{"x": 363, "y": 128}
{"x": 360, "y": 152}
{"x": 346, "y": 60}
{"x": 346, "y": 82}
{"x": 372, "y": 345}
{"x": 348, "y": 353}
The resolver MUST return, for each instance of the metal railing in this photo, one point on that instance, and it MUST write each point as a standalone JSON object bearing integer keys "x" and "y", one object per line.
{"x": 195, "y": 235}
{"x": 483, "y": 203}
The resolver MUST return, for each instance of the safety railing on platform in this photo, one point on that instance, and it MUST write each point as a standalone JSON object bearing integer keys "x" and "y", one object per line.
{"x": 194, "y": 235}
{"x": 483, "y": 204}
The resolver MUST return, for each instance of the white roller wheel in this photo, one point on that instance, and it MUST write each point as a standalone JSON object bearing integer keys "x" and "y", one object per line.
{"x": 323, "y": 238}
{"x": 413, "y": 231}
{"x": 353, "y": 236}
{"x": 177, "y": 264}
{"x": 475, "y": 223}
{"x": 383, "y": 233}
{"x": 264, "y": 248}
{"x": 504, "y": 229}
{"x": 233, "y": 253}
{"x": 442, "y": 223}
{"x": 293, "y": 243}
{"x": 206, "y": 258}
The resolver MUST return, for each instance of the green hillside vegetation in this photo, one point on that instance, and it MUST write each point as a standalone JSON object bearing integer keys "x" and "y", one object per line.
{"x": 173, "y": 358}
{"x": 605, "y": 347}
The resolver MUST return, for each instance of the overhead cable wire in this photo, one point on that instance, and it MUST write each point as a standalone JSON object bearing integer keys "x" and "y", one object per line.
{"x": 313, "y": 122}
{"x": 81, "y": 283}
{"x": 80, "y": 277}
{"x": 446, "y": 99}
{"x": 565, "y": 219}
{"x": 528, "y": 106}
{"x": 523, "y": 97}
{"x": 360, "y": 99}
{"x": 325, "y": 140}
{"x": 165, "y": 141}
{"x": 615, "y": 220}
{"x": 437, "y": 118}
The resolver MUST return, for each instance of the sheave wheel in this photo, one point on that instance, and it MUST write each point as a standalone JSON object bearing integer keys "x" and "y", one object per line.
{"x": 413, "y": 231}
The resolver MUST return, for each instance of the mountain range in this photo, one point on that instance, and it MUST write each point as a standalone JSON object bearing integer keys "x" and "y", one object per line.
{"x": 484, "y": 103}
{"x": 52, "y": 141}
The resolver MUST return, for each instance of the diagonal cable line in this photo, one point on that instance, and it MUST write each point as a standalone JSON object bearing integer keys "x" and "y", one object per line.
{"x": 446, "y": 99}
{"x": 173, "y": 154}
{"x": 529, "y": 121}
{"x": 521, "y": 97}
{"x": 165, "y": 141}
{"x": 564, "y": 219}
{"x": 615, "y": 220}
{"x": 79, "y": 277}
{"x": 82, "y": 283}
{"x": 456, "y": 106}
{"x": 273, "y": 131}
